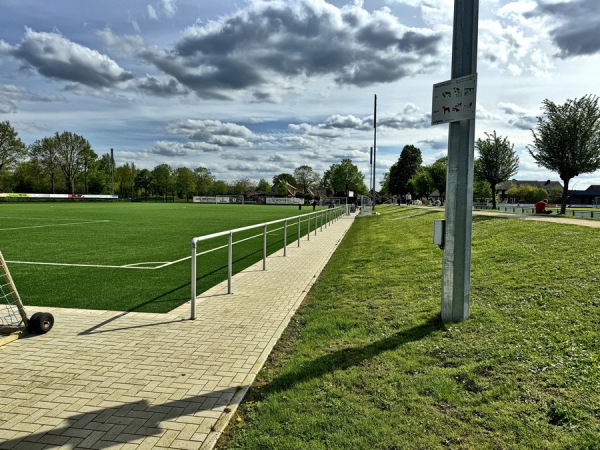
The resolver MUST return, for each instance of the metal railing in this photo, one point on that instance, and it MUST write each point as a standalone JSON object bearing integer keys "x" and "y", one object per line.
{"x": 321, "y": 219}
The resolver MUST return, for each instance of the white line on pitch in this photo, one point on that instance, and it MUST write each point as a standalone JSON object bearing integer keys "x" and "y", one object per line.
{"x": 53, "y": 225}
{"x": 81, "y": 265}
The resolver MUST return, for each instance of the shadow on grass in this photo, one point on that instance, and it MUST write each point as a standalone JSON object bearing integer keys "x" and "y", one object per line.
{"x": 350, "y": 357}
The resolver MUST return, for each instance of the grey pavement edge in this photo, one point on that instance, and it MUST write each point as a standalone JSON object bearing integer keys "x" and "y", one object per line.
{"x": 121, "y": 380}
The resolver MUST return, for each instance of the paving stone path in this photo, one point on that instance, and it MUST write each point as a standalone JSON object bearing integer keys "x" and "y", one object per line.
{"x": 119, "y": 380}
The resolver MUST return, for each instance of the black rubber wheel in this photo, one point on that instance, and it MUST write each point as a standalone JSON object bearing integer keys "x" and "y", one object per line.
{"x": 41, "y": 323}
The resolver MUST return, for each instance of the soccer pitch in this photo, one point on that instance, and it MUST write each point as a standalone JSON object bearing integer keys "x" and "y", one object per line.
{"x": 128, "y": 256}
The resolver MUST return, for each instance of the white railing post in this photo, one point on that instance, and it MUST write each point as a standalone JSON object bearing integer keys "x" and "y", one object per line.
{"x": 316, "y": 222}
{"x": 308, "y": 230}
{"x": 193, "y": 302}
{"x": 285, "y": 238}
{"x": 265, "y": 248}
{"x": 229, "y": 261}
{"x": 298, "y": 231}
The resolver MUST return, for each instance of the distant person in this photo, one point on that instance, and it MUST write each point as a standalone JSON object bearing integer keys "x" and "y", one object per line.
{"x": 408, "y": 199}
{"x": 314, "y": 204}
{"x": 540, "y": 207}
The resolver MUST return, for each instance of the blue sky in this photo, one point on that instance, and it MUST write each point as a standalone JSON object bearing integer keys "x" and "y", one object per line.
{"x": 250, "y": 89}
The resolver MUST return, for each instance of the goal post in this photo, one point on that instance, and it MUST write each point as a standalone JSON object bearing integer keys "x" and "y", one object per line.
{"x": 13, "y": 318}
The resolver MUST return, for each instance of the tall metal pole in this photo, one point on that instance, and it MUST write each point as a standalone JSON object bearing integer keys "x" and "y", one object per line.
{"x": 374, "y": 150}
{"x": 456, "y": 278}
{"x": 112, "y": 173}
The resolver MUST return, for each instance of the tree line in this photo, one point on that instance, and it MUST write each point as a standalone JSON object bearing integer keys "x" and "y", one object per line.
{"x": 566, "y": 141}
{"x": 66, "y": 163}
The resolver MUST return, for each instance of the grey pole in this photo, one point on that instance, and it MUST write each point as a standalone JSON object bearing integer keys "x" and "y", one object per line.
{"x": 374, "y": 149}
{"x": 456, "y": 277}
{"x": 112, "y": 173}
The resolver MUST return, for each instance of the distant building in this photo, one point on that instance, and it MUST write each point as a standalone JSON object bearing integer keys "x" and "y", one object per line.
{"x": 275, "y": 189}
{"x": 591, "y": 196}
{"x": 503, "y": 187}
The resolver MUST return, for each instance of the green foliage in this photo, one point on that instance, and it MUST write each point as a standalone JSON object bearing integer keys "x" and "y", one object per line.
{"x": 12, "y": 149}
{"x": 567, "y": 139}
{"x": 306, "y": 178}
{"x": 366, "y": 362}
{"x": 497, "y": 161}
{"x": 285, "y": 177}
{"x": 421, "y": 184}
{"x": 204, "y": 181}
{"x": 344, "y": 177}
{"x": 481, "y": 189}
{"x": 263, "y": 187}
{"x": 185, "y": 182}
{"x": 408, "y": 165}
{"x": 73, "y": 152}
{"x": 438, "y": 171}
{"x": 526, "y": 193}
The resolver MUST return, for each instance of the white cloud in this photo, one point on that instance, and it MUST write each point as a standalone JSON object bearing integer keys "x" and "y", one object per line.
{"x": 56, "y": 57}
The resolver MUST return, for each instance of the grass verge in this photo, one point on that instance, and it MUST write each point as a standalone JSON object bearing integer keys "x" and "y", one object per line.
{"x": 367, "y": 364}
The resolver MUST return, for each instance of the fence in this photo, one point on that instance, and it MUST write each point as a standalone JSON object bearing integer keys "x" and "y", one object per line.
{"x": 530, "y": 209}
{"x": 320, "y": 219}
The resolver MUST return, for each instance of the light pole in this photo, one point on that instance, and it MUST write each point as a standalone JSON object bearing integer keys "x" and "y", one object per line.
{"x": 374, "y": 150}
{"x": 456, "y": 276}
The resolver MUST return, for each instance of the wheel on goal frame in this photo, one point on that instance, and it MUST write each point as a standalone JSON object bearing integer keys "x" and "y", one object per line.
{"x": 40, "y": 323}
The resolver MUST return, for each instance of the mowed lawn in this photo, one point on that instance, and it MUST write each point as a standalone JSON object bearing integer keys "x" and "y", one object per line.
{"x": 86, "y": 246}
{"x": 366, "y": 362}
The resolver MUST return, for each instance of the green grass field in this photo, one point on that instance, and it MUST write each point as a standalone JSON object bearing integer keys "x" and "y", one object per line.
{"x": 366, "y": 362}
{"x": 109, "y": 255}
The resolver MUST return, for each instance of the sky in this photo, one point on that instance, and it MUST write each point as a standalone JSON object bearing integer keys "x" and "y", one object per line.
{"x": 251, "y": 89}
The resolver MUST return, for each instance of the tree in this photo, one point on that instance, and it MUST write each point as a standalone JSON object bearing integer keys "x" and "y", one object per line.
{"x": 204, "y": 181}
{"x": 125, "y": 177}
{"x": 220, "y": 187}
{"x": 526, "y": 193}
{"x": 288, "y": 178}
{"x": 385, "y": 183}
{"x": 185, "y": 182}
{"x": 88, "y": 156}
{"x": 144, "y": 180}
{"x": 497, "y": 161}
{"x": 408, "y": 165}
{"x": 306, "y": 178}
{"x": 12, "y": 149}
{"x": 421, "y": 184}
{"x": 345, "y": 177}
{"x": 162, "y": 179}
{"x": 44, "y": 153}
{"x": 243, "y": 186}
{"x": 567, "y": 139}
{"x": 70, "y": 151}
{"x": 263, "y": 187}
{"x": 438, "y": 171}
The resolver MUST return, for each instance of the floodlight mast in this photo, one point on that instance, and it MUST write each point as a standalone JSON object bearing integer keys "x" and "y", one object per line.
{"x": 374, "y": 150}
{"x": 456, "y": 277}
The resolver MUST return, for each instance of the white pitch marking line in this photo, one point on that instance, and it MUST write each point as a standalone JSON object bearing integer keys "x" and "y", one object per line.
{"x": 81, "y": 265}
{"x": 53, "y": 225}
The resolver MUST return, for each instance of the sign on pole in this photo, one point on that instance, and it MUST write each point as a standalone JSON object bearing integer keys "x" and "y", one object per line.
{"x": 454, "y": 100}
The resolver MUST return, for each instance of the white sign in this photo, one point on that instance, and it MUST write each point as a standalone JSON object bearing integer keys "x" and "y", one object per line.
{"x": 454, "y": 100}
{"x": 283, "y": 200}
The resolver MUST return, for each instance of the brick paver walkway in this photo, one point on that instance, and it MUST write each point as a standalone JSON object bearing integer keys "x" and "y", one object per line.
{"x": 106, "y": 379}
